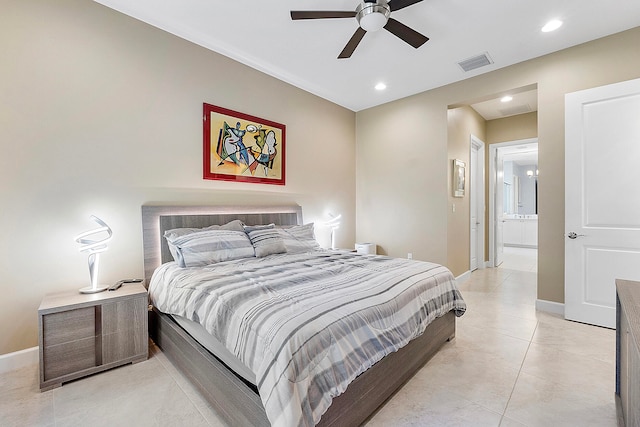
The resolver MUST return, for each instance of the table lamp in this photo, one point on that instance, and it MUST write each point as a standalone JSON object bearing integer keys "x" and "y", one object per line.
{"x": 334, "y": 224}
{"x": 94, "y": 246}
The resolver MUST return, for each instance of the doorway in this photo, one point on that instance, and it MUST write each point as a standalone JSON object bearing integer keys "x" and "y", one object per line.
{"x": 513, "y": 197}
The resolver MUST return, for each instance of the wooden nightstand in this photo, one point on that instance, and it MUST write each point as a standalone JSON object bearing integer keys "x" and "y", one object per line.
{"x": 81, "y": 334}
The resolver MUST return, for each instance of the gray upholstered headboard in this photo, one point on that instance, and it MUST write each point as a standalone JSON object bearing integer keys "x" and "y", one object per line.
{"x": 157, "y": 219}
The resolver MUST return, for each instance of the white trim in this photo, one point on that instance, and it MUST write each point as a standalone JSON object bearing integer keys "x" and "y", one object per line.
{"x": 18, "y": 359}
{"x": 493, "y": 149}
{"x": 464, "y": 276}
{"x": 550, "y": 307}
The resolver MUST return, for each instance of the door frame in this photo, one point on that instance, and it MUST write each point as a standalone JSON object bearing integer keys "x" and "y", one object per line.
{"x": 493, "y": 181}
{"x": 476, "y": 175}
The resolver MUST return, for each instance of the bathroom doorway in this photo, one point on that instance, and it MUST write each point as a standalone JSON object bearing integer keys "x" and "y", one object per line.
{"x": 513, "y": 197}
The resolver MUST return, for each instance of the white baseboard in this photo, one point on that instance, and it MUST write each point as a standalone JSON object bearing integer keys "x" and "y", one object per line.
{"x": 550, "y": 306}
{"x": 18, "y": 359}
{"x": 464, "y": 276}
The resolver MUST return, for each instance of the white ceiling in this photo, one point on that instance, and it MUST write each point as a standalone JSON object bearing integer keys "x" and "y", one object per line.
{"x": 262, "y": 35}
{"x": 522, "y": 154}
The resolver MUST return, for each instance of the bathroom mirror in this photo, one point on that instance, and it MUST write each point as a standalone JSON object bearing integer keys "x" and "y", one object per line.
{"x": 520, "y": 188}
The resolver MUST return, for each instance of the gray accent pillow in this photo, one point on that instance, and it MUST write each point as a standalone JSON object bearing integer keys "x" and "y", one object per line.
{"x": 209, "y": 246}
{"x": 266, "y": 240}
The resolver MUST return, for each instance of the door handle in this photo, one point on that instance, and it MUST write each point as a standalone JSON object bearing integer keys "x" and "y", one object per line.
{"x": 573, "y": 235}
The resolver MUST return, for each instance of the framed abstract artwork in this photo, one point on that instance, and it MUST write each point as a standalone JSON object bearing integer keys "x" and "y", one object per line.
{"x": 458, "y": 178}
{"x": 243, "y": 148}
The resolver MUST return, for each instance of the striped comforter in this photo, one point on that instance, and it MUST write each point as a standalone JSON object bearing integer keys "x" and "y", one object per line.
{"x": 308, "y": 324}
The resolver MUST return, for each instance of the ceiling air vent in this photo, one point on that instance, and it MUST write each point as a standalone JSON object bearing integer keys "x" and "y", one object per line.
{"x": 517, "y": 109}
{"x": 475, "y": 62}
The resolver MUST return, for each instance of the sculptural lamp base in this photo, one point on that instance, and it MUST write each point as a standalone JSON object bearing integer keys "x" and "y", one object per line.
{"x": 93, "y": 290}
{"x": 94, "y": 263}
{"x": 94, "y": 247}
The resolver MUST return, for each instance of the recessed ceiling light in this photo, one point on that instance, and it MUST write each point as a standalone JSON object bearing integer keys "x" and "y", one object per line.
{"x": 381, "y": 86}
{"x": 552, "y": 25}
{"x": 506, "y": 98}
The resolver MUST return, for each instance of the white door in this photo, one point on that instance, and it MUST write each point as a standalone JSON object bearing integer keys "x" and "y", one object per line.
{"x": 476, "y": 226}
{"x": 499, "y": 209}
{"x": 473, "y": 208}
{"x": 602, "y": 198}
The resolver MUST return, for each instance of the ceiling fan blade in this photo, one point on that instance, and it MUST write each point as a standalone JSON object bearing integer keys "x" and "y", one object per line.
{"x": 320, "y": 14}
{"x": 401, "y": 4}
{"x": 407, "y": 34}
{"x": 352, "y": 44}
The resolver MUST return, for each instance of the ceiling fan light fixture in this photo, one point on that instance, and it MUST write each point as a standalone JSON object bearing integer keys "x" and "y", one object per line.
{"x": 373, "y": 16}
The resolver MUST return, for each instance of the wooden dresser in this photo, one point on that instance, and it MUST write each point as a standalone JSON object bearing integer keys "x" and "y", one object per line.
{"x": 81, "y": 334}
{"x": 628, "y": 352}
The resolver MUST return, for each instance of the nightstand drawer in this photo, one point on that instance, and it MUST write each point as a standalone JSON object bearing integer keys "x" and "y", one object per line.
{"x": 67, "y": 358}
{"x": 66, "y": 326}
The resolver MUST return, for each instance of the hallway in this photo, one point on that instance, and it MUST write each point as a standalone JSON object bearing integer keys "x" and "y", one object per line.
{"x": 521, "y": 259}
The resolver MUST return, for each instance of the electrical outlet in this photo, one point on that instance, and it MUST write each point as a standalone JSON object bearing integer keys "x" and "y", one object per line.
{"x": 409, "y": 255}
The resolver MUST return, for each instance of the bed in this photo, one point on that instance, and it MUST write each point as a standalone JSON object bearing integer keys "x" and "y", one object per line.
{"x": 234, "y": 396}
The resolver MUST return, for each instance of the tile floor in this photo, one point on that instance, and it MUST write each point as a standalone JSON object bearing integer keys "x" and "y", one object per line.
{"x": 508, "y": 366}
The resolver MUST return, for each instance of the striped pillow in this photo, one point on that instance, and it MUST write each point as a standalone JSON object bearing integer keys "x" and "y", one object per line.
{"x": 209, "y": 246}
{"x": 236, "y": 225}
{"x": 173, "y": 234}
{"x": 299, "y": 238}
{"x": 266, "y": 240}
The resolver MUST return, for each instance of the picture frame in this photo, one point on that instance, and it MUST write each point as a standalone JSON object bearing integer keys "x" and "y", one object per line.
{"x": 242, "y": 148}
{"x": 458, "y": 178}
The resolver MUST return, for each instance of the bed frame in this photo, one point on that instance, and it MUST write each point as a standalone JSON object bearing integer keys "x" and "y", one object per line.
{"x": 235, "y": 400}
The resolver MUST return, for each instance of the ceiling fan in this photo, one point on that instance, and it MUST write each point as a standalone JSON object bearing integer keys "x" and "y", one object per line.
{"x": 371, "y": 15}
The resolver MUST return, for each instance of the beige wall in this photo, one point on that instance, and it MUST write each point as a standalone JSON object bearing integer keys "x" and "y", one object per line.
{"x": 402, "y": 179}
{"x": 402, "y": 158}
{"x": 514, "y": 128}
{"x": 462, "y": 123}
{"x": 99, "y": 114}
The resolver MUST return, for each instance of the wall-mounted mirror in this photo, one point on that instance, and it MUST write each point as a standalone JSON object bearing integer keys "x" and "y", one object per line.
{"x": 520, "y": 187}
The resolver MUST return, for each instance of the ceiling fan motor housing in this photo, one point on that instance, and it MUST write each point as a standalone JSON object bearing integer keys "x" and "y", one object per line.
{"x": 373, "y": 15}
